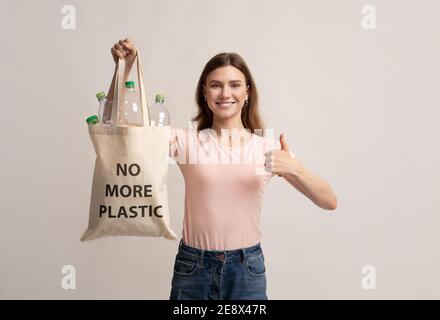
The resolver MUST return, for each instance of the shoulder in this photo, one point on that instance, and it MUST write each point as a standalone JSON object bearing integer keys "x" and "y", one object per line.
{"x": 187, "y": 136}
{"x": 180, "y": 133}
{"x": 265, "y": 141}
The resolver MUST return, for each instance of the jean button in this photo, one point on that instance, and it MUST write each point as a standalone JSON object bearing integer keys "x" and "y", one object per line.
{"x": 221, "y": 256}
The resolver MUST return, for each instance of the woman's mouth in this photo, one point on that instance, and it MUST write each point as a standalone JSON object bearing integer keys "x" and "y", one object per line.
{"x": 225, "y": 104}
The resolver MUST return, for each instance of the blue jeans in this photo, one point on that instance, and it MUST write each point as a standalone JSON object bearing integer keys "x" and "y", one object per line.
{"x": 219, "y": 275}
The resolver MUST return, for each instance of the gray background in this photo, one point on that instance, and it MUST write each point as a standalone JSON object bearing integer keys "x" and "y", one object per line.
{"x": 359, "y": 107}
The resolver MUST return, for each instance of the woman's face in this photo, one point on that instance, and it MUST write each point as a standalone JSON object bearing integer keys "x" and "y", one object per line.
{"x": 225, "y": 91}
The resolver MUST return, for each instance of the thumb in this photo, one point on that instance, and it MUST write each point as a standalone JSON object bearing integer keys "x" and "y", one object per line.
{"x": 283, "y": 143}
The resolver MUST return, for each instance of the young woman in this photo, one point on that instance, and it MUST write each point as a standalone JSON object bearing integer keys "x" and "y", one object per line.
{"x": 226, "y": 167}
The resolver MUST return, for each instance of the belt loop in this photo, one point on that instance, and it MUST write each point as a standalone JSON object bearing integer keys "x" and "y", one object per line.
{"x": 201, "y": 257}
{"x": 181, "y": 241}
{"x": 244, "y": 255}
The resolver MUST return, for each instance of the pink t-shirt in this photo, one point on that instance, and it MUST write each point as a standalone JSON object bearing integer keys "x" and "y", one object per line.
{"x": 224, "y": 188}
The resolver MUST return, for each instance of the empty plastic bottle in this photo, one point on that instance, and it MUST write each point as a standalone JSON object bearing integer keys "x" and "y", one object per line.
{"x": 104, "y": 114}
{"x": 132, "y": 110}
{"x": 159, "y": 115}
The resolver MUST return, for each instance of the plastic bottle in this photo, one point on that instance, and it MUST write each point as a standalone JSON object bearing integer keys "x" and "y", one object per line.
{"x": 92, "y": 120}
{"x": 104, "y": 114}
{"x": 159, "y": 115}
{"x": 132, "y": 107}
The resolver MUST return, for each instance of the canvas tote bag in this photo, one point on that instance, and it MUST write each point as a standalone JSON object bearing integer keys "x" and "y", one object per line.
{"x": 129, "y": 189}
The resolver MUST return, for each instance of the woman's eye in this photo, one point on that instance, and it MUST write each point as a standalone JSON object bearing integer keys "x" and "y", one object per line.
{"x": 236, "y": 85}
{"x": 214, "y": 86}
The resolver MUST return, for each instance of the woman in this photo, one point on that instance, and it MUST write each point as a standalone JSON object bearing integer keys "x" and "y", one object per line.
{"x": 220, "y": 255}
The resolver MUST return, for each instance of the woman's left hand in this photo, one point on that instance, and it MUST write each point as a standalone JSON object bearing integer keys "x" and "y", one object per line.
{"x": 282, "y": 162}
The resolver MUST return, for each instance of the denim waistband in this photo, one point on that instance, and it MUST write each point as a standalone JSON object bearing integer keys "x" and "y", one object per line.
{"x": 223, "y": 255}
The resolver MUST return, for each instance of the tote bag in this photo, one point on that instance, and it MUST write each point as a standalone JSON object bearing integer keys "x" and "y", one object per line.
{"x": 129, "y": 189}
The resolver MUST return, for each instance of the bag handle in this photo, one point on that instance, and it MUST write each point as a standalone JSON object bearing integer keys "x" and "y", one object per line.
{"x": 119, "y": 94}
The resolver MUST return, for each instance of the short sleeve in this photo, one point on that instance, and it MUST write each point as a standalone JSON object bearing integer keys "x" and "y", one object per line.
{"x": 269, "y": 144}
{"x": 178, "y": 145}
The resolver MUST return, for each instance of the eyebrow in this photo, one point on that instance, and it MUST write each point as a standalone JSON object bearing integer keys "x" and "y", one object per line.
{"x": 220, "y": 81}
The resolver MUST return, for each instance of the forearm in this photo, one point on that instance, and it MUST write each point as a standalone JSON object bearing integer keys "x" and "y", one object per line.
{"x": 111, "y": 91}
{"x": 315, "y": 188}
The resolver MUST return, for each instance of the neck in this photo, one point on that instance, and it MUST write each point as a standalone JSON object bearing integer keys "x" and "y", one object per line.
{"x": 226, "y": 124}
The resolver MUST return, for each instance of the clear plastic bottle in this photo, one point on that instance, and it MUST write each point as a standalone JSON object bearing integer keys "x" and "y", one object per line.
{"x": 159, "y": 115}
{"x": 104, "y": 114}
{"x": 132, "y": 110}
{"x": 92, "y": 120}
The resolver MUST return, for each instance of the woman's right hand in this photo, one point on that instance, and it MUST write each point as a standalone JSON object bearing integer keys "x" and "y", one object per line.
{"x": 124, "y": 49}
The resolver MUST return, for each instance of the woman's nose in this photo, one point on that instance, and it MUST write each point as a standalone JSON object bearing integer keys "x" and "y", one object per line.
{"x": 225, "y": 93}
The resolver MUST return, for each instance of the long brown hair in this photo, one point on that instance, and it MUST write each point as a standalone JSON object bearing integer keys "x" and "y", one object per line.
{"x": 250, "y": 115}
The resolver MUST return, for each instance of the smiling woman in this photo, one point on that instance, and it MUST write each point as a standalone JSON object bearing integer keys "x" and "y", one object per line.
{"x": 220, "y": 255}
{"x": 226, "y": 96}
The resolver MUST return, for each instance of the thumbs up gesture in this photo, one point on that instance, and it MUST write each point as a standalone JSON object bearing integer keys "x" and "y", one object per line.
{"x": 283, "y": 161}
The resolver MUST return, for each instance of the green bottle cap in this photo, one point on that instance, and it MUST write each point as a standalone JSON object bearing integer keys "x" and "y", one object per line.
{"x": 100, "y": 95}
{"x": 129, "y": 84}
{"x": 160, "y": 97}
{"x": 92, "y": 119}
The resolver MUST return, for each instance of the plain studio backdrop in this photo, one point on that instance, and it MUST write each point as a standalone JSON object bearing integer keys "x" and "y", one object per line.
{"x": 358, "y": 106}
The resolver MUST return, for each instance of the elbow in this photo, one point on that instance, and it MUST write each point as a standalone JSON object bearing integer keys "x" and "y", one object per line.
{"x": 331, "y": 205}
{"x": 334, "y": 204}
